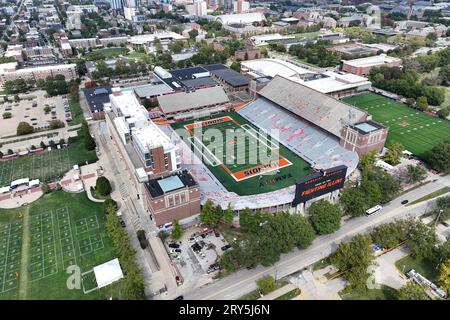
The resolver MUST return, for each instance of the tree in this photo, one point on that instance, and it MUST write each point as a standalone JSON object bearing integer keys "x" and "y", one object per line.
{"x": 228, "y": 215}
{"x": 412, "y": 291}
{"x": 227, "y": 262}
{"x": 236, "y": 66}
{"x": 394, "y": 153}
{"x": 444, "y": 275}
{"x": 353, "y": 199}
{"x": 45, "y": 188}
{"x": 24, "y": 128}
{"x": 439, "y": 155}
{"x": 193, "y": 34}
{"x": 303, "y": 234}
{"x": 177, "y": 231}
{"x": 266, "y": 284}
{"x": 415, "y": 173}
{"x": 367, "y": 160}
{"x": 353, "y": 258}
{"x": 250, "y": 221}
{"x": 422, "y": 103}
{"x": 421, "y": 239}
{"x": 388, "y": 235}
{"x": 325, "y": 216}
{"x": 388, "y": 186}
{"x": 103, "y": 186}
{"x": 89, "y": 142}
{"x": 210, "y": 214}
{"x": 443, "y": 112}
{"x": 56, "y": 124}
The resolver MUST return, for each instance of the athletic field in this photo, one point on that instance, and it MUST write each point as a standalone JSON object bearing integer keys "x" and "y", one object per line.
{"x": 242, "y": 158}
{"x": 40, "y": 241}
{"x": 48, "y": 166}
{"x": 415, "y": 130}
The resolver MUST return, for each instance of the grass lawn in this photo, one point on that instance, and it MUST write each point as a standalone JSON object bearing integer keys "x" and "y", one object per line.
{"x": 424, "y": 267}
{"x": 137, "y": 55}
{"x": 48, "y": 166}
{"x": 289, "y": 295}
{"x": 415, "y": 130}
{"x": 432, "y": 195}
{"x": 77, "y": 113}
{"x": 226, "y": 170}
{"x": 385, "y": 293}
{"x": 58, "y": 230}
{"x": 108, "y": 53}
{"x": 254, "y": 295}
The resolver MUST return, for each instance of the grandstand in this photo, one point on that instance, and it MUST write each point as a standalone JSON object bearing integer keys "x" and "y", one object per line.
{"x": 320, "y": 149}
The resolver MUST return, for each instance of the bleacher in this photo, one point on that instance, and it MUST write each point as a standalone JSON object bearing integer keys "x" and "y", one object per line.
{"x": 322, "y": 150}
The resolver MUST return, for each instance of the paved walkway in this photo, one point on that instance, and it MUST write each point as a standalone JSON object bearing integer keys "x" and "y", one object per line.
{"x": 314, "y": 287}
{"x": 10, "y": 201}
{"x": 279, "y": 292}
{"x": 386, "y": 272}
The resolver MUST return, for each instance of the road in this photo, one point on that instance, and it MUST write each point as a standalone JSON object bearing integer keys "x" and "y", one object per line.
{"x": 243, "y": 281}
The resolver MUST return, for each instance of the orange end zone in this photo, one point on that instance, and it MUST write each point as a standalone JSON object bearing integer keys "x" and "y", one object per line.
{"x": 255, "y": 171}
{"x": 207, "y": 122}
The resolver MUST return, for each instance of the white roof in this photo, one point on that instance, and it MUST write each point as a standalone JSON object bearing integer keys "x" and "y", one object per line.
{"x": 150, "y": 137}
{"x": 334, "y": 81}
{"x": 145, "y": 38}
{"x": 107, "y": 273}
{"x": 273, "y": 67}
{"x": 34, "y": 182}
{"x": 372, "y": 61}
{"x": 5, "y": 66}
{"x": 244, "y": 18}
{"x": 20, "y": 181}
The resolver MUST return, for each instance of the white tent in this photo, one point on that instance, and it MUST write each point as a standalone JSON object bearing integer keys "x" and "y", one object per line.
{"x": 107, "y": 273}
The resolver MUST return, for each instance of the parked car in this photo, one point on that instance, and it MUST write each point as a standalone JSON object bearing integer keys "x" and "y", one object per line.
{"x": 122, "y": 223}
{"x": 226, "y": 247}
{"x": 179, "y": 298}
{"x": 445, "y": 224}
{"x": 404, "y": 202}
{"x": 175, "y": 250}
{"x": 216, "y": 233}
{"x": 212, "y": 268}
{"x": 174, "y": 245}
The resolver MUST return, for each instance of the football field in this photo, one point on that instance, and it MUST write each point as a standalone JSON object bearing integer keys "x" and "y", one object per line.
{"x": 244, "y": 159}
{"x": 418, "y": 132}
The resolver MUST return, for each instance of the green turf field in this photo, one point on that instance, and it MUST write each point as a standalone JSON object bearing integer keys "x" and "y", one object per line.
{"x": 242, "y": 157}
{"x": 40, "y": 241}
{"x": 49, "y": 166}
{"x": 415, "y": 130}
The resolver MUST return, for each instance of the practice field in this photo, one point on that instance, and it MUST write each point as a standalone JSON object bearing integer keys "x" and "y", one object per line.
{"x": 415, "y": 130}
{"x": 242, "y": 158}
{"x": 39, "y": 242}
{"x": 48, "y": 166}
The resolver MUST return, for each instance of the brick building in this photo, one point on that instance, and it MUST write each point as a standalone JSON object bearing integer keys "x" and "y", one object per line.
{"x": 364, "y": 137}
{"x": 363, "y": 66}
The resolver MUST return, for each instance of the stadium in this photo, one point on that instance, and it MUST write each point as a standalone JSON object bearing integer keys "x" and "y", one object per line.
{"x": 311, "y": 148}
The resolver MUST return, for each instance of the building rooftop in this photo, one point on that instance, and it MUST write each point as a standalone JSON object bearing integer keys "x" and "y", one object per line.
{"x": 231, "y": 77}
{"x": 151, "y": 137}
{"x": 184, "y": 101}
{"x": 97, "y": 97}
{"x": 372, "y": 61}
{"x": 161, "y": 186}
{"x": 148, "y": 91}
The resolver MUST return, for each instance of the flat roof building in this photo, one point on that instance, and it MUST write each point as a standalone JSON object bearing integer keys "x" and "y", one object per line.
{"x": 363, "y": 66}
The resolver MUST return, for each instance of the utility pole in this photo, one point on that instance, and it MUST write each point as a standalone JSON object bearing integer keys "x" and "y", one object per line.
{"x": 437, "y": 218}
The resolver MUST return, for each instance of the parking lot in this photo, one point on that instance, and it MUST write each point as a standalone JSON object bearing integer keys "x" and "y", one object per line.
{"x": 195, "y": 252}
{"x": 31, "y": 110}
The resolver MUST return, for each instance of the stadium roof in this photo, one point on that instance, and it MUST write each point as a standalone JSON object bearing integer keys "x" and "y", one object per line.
{"x": 148, "y": 91}
{"x": 322, "y": 110}
{"x": 184, "y": 101}
{"x": 231, "y": 77}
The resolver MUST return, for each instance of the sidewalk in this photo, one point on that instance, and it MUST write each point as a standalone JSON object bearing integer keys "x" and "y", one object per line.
{"x": 279, "y": 292}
